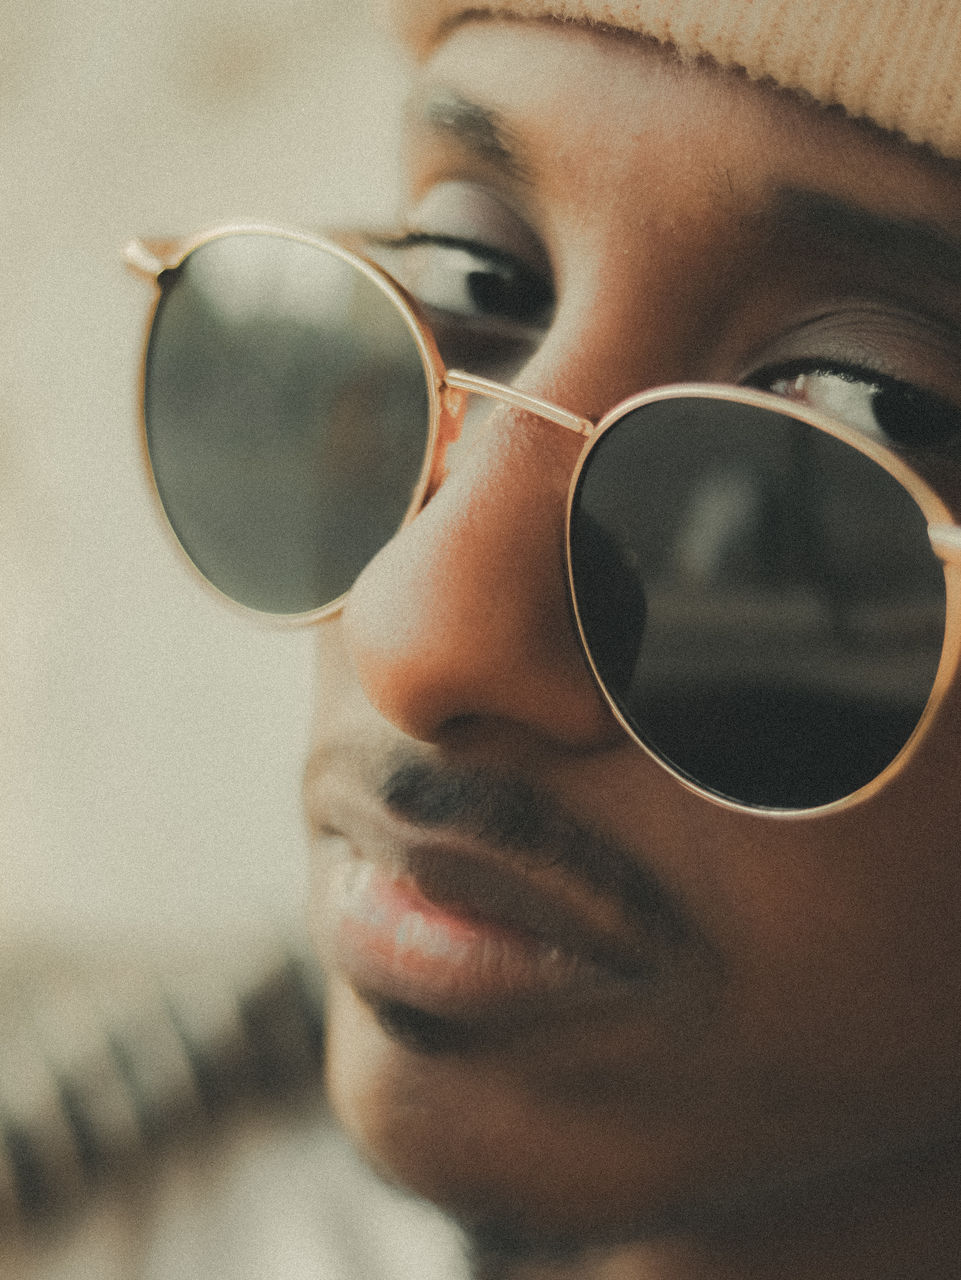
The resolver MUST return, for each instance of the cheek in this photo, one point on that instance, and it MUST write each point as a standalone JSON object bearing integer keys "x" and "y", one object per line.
{"x": 844, "y": 940}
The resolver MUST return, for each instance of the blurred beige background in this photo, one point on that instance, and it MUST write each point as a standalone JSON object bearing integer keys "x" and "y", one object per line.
{"x": 150, "y": 742}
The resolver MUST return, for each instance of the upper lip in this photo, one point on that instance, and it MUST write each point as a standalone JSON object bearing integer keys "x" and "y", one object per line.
{"x": 614, "y": 916}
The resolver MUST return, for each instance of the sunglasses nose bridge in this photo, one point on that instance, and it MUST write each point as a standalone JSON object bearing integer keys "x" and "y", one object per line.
{"x": 457, "y": 381}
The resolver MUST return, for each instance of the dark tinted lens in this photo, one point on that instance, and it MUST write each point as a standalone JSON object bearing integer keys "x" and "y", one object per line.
{"x": 287, "y": 410}
{"x": 760, "y": 599}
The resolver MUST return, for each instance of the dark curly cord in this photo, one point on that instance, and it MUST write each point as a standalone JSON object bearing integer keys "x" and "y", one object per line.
{"x": 104, "y": 1104}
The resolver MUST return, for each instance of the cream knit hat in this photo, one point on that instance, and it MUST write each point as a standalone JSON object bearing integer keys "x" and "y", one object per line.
{"x": 896, "y": 62}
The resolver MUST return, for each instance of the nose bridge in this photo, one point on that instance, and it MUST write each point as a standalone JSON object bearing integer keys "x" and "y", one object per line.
{"x": 464, "y": 615}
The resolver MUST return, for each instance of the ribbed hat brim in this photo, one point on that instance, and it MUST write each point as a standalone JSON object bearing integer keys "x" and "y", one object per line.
{"x": 895, "y": 62}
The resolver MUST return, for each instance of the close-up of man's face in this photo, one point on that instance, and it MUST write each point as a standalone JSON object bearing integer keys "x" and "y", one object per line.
{"x": 572, "y": 997}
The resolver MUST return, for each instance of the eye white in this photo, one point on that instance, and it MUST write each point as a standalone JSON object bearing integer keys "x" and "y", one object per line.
{"x": 845, "y": 399}
{"x": 442, "y": 278}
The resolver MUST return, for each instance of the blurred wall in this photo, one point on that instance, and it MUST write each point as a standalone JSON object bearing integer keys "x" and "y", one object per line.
{"x": 150, "y": 742}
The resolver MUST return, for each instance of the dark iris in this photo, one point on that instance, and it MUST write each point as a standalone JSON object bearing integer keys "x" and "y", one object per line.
{"x": 508, "y": 289}
{"x": 912, "y": 418}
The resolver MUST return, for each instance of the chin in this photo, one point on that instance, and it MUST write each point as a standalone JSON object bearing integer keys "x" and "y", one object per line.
{"x": 460, "y": 1131}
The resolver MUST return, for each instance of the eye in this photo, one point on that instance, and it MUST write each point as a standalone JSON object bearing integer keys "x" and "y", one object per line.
{"x": 479, "y": 273}
{"x": 893, "y": 412}
{"x": 473, "y": 281}
{"x": 487, "y": 310}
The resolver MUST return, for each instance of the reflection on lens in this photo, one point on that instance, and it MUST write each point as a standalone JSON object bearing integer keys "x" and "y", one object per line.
{"x": 760, "y": 600}
{"x": 287, "y": 415}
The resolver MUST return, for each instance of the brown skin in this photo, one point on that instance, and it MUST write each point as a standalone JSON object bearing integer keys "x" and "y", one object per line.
{"x": 786, "y": 1101}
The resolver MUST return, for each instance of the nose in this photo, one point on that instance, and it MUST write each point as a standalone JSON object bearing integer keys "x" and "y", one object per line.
{"x": 464, "y": 617}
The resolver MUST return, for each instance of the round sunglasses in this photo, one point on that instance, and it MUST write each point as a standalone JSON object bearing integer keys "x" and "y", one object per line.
{"x": 767, "y": 599}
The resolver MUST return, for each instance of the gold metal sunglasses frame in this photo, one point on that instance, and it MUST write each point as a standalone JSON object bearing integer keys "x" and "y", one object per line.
{"x": 449, "y": 391}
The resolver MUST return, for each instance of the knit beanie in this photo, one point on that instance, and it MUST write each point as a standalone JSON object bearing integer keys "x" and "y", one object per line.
{"x": 895, "y": 62}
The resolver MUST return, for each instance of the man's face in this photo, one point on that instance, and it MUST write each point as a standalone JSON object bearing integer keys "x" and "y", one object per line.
{"x": 568, "y": 995}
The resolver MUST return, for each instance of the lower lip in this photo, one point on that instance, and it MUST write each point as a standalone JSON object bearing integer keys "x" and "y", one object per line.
{"x": 393, "y": 943}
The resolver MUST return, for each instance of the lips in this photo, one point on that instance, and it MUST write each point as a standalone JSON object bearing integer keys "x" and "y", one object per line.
{"x": 463, "y": 929}
{"x": 394, "y": 944}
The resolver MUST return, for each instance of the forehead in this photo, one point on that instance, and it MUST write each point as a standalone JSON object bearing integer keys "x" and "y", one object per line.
{"x": 561, "y": 103}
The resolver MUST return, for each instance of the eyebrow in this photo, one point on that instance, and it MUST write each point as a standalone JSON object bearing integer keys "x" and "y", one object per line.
{"x": 482, "y": 130}
{"x": 907, "y": 245}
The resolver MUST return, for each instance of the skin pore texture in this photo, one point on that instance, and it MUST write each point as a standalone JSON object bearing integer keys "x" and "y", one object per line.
{"x": 775, "y": 1089}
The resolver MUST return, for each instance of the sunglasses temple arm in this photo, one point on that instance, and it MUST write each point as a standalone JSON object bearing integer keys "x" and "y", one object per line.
{"x": 458, "y": 380}
{"x": 946, "y": 542}
{"x": 149, "y": 259}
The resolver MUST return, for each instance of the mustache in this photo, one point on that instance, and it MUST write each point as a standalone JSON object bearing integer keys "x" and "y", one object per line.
{"x": 509, "y": 814}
